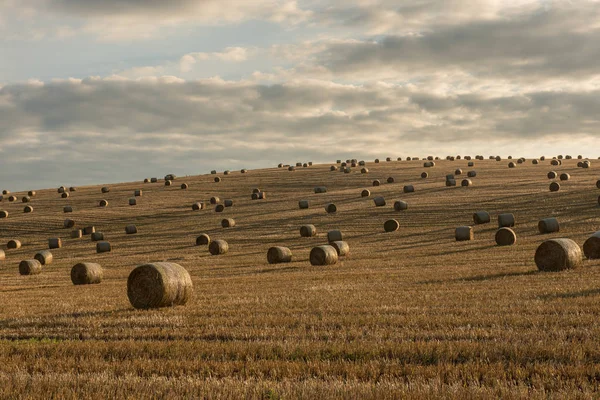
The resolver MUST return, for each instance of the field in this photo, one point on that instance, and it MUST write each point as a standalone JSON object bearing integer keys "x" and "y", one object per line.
{"x": 407, "y": 314}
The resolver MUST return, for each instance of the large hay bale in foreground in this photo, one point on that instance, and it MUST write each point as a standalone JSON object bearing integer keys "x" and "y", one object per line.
{"x": 54, "y": 243}
{"x": 217, "y": 247}
{"x": 308, "y": 230}
{"x": 400, "y": 205}
{"x": 279, "y": 254}
{"x": 160, "y": 284}
{"x": 227, "y": 223}
{"x": 505, "y": 237}
{"x": 323, "y": 255}
{"x": 548, "y": 225}
{"x": 303, "y": 204}
{"x": 103, "y": 247}
{"x": 331, "y": 208}
{"x": 13, "y": 244}
{"x": 558, "y": 255}
{"x": 334, "y": 235}
{"x": 506, "y": 220}
{"x": 342, "y": 248}
{"x": 463, "y": 233}
{"x": 45, "y": 257}
{"x": 86, "y": 274}
{"x": 481, "y": 217}
{"x": 203, "y": 240}
{"x": 30, "y": 267}
{"x": 591, "y": 247}
{"x": 391, "y": 225}
{"x": 131, "y": 229}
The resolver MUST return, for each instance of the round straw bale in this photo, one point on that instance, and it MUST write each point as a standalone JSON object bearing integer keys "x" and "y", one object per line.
{"x": 334, "y": 236}
{"x": 511, "y": 165}
{"x": 308, "y": 231}
{"x": 13, "y": 244}
{"x": 291, "y": 168}
{"x": 365, "y": 193}
{"x": 303, "y": 204}
{"x": 471, "y": 174}
{"x": 305, "y": 165}
{"x": 558, "y": 255}
{"x": 586, "y": 164}
{"x": 30, "y": 267}
{"x": 333, "y": 168}
{"x": 243, "y": 170}
{"x": 256, "y": 190}
{"x": 330, "y": 208}
{"x": 506, "y": 220}
{"x": 259, "y": 196}
{"x": 579, "y": 157}
{"x": 391, "y": 225}
{"x": 567, "y": 157}
{"x": 535, "y": 162}
{"x": 320, "y": 189}
{"x": 105, "y": 189}
{"x": 409, "y": 189}
{"x": 458, "y": 171}
{"x": 565, "y": 177}
{"x": 132, "y": 201}
{"x": 184, "y": 186}
{"x": 450, "y": 182}
{"x": 481, "y": 217}
{"x": 103, "y": 247}
{"x": 377, "y": 161}
{"x": 3, "y": 214}
{"x": 72, "y": 189}
{"x": 54, "y": 243}
{"x": 215, "y": 200}
{"x": 64, "y": 195}
{"x": 202, "y": 240}
{"x": 25, "y": 199}
{"x": 505, "y": 237}
{"x": 424, "y": 175}
{"x": 463, "y": 233}
{"x": 103, "y": 203}
{"x": 61, "y": 189}
{"x": 470, "y": 164}
{"x": 197, "y": 206}
{"x": 591, "y": 247}
{"x": 323, "y": 255}
{"x": 543, "y": 158}
{"x": 498, "y": 158}
{"x": 228, "y": 202}
{"x": 2, "y": 255}
{"x": 400, "y": 205}
{"x": 555, "y": 162}
{"x": 390, "y": 180}
{"x": 520, "y": 161}
{"x": 97, "y": 236}
{"x": 68, "y": 223}
{"x": 86, "y": 273}
{"x": 278, "y": 254}
{"x": 552, "y": 175}
{"x": 388, "y": 159}
{"x": 12, "y": 198}
{"x": 217, "y": 179}
{"x": 44, "y": 257}
{"x": 131, "y": 229}
{"x": 170, "y": 177}
{"x": 560, "y": 157}
{"x": 407, "y": 158}
{"x": 76, "y": 234}
{"x": 28, "y": 209}
{"x": 88, "y": 230}
{"x": 598, "y": 184}
{"x": 342, "y": 248}
{"x": 168, "y": 183}
{"x": 310, "y": 163}
{"x": 379, "y": 201}
{"x": 138, "y": 193}
{"x": 579, "y": 164}
{"x": 157, "y": 285}
{"x": 31, "y": 193}
{"x": 298, "y": 164}
{"x": 146, "y": 180}
{"x": 217, "y": 247}
{"x": 153, "y": 180}
{"x": 364, "y": 170}
{"x": 5, "y": 192}
{"x": 219, "y": 208}
{"x": 339, "y": 161}
{"x": 214, "y": 171}
{"x": 228, "y": 223}
{"x": 466, "y": 182}
{"x": 548, "y": 225}
{"x": 347, "y": 170}
{"x": 376, "y": 182}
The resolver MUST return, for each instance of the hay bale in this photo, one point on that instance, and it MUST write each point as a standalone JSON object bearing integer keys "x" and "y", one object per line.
{"x": 362, "y": 163}
{"x": 565, "y": 177}
{"x": 54, "y": 243}
{"x": 64, "y": 195}
{"x": 3, "y": 214}
{"x": 567, "y": 157}
{"x": 184, "y": 186}
{"x": 450, "y": 182}
{"x": 228, "y": 202}
{"x": 535, "y": 162}
{"x": 376, "y": 182}
{"x": 219, "y": 208}
{"x": 558, "y": 255}
{"x": 400, "y": 205}
{"x": 45, "y": 257}
{"x": 214, "y": 171}
{"x": 197, "y": 206}
{"x": 291, "y": 168}
{"x": 471, "y": 174}
{"x": 215, "y": 200}
{"x": 76, "y": 234}
{"x": 347, "y": 170}
{"x": 498, "y": 158}
{"x": 334, "y": 236}
{"x": 30, "y": 267}
{"x": 339, "y": 161}
{"x": 598, "y": 184}
{"x": 305, "y": 165}
{"x": 103, "y": 247}
{"x": 365, "y": 193}
{"x": 72, "y": 189}
{"x": 298, "y": 164}
{"x": 153, "y": 180}
{"x": 31, "y": 193}
{"x": 12, "y": 198}
{"x": 579, "y": 164}
{"x": 146, "y": 180}
{"x": 511, "y": 165}
{"x": 463, "y": 233}
{"x": 390, "y": 180}
{"x": 481, "y": 217}
{"x": 408, "y": 189}
{"x": 303, "y": 204}
{"x": 586, "y": 164}
{"x": 424, "y": 175}
{"x": 505, "y": 237}
{"x": 2, "y": 255}
{"x": 132, "y": 201}
{"x": 68, "y": 223}
{"x": 97, "y": 236}
{"x": 552, "y": 175}
{"x": 330, "y": 208}
{"x": 342, "y": 248}
{"x": 278, "y": 254}
{"x": 506, "y": 220}
{"x": 138, "y": 193}
{"x": 391, "y": 225}
{"x": 543, "y": 158}
{"x": 157, "y": 285}
{"x": 470, "y": 164}
{"x": 203, "y": 240}
{"x": 323, "y": 255}
{"x": 548, "y": 225}
{"x": 364, "y": 170}
{"x": 61, "y": 189}
{"x": 379, "y": 201}
{"x": 86, "y": 273}
{"x": 308, "y": 231}
{"x": 88, "y": 230}
{"x": 217, "y": 247}
{"x": 168, "y": 183}
{"x": 458, "y": 171}
{"x": 256, "y": 190}
{"x": 25, "y": 199}
{"x": 591, "y": 247}
{"x": 103, "y": 203}
{"x": 5, "y": 192}
{"x": 555, "y": 162}
{"x": 170, "y": 177}
{"x": 28, "y": 209}
{"x": 579, "y": 157}
{"x": 333, "y": 168}
{"x": 131, "y": 229}
{"x": 243, "y": 170}
{"x": 320, "y": 189}
{"x": 377, "y": 161}
{"x": 259, "y": 196}
{"x": 105, "y": 189}
{"x": 217, "y": 179}
{"x": 227, "y": 223}
{"x": 466, "y": 182}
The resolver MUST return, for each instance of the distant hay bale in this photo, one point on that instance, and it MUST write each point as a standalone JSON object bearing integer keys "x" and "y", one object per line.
{"x": 158, "y": 285}
{"x": 463, "y": 233}
{"x": 279, "y": 254}
{"x": 568, "y": 157}
{"x": 2, "y": 255}
{"x": 54, "y": 243}
{"x": 219, "y": 208}
{"x": 548, "y": 225}
{"x": 31, "y": 193}
{"x": 3, "y": 214}
{"x": 579, "y": 164}
{"x": 552, "y": 175}
{"x": 390, "y": 180}
{"x": 30, "y": 267}
{"x": 103, "y": 203}
{"x": 364, "y": 170}
{"x": 203, "y": 240}
{"x": 388, "y": 159}
{"x": 458, "y": 171}
{"x": 598, "y": 184}
{"x": 132, "y": 201}
{"x": 76, "y": 234}
{"x": 470, "y": 164}
{"x": 543, "y": 158}
{"x": 334, "y": 235}
{"x": 586, "y": 164}
{"x": 554, "y": 187}
{"x": 28, "y": 209}
{"x": 450, "y": 182}
{"x": 555, "y": 162}
{"x": 298, "y": 164}
{"x": 520, "y": 161}
{"x": 379, "y": 201}
{"x": 243, "y": 170}
{"x": 558, "y": 255}
{"x": 228, "y": 202}
{"x": 168, "y": 183}
{"x": 214, "y": 171}
{"x": 535, "y": 162}
{"x": 361, "y": 163}
{"x": 215, "y": 200}
{"x": 153, "y": 180}
{"x": 320, "y": 189}
{"x": 308, "y": 230}
{"x": 12, "y": 198}
{"x": 170, "y": 177}
{"x": 68, "y": 223}
{"x": 103, "y": 247}
{"x": 591, "y": 247}
{"x": 376, "y": 182}
{"x": 217, "y": 179}
{"x": 339, "y": 161}
{"x": 333, "y": 168}
{"x": 506, "y": 220}
{"x": 565, "y": 177}
{"x": 105, "y": 189}
{"x": 25, "y": 199}
{"x": 498, "y": 158}
{"x": 505, "y": 237}
{"x": 258, "y": 196}
{"x": 45, "y": 257}
{"x": 146, "y": 180}
{"x": 13, "y": 244}
{"x": 217, "y": 247}
{"x": 472, "y": 174}
{"x": 88, "y": 230}
{"x": 330, "y": 208}
{"x": 303, "y": 204}
{"x": 184, "y": 186}
{"x": 424, "y": 175}
{"x": 407, "y": 158}
{"x": 138, "y": 193}
{"x": 391, "y": 225}
{"x": 579, "y": 157}
{"x": 310, "y": 163}
{"x": 72, "y": 189}
{"x": 86, "y": 273}
{"x": 511, "y": 165}
{"x": 197, "y": 206}
{"x": 342, "y": 248}
{"x": 305, "y": 165}
{"x": 400, "y": 205}
{"x": 323, "y": 255}
{"x": 466, "y": 182}
{"x": 347, "y": 170}
{"x": 64, "y": 195}
{"x": 408, "y": 189}
{"x": 97, "y": 236}
{"x": 5, "y": 192}
{"x": 131, "y": 229}
{"x": 227, "y": 223}
{"x": 377, "y": 161}
{"x": 481, "y": 217}
{"x": 61, "y": 189}
{"x": 365, "y": 193}
{"x": 291, "y": 168}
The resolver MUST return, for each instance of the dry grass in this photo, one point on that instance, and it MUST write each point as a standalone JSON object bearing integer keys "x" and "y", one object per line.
{"x": 411, "y": 313}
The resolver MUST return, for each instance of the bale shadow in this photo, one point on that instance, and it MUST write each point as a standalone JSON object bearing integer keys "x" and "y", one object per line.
{"x": 570, "y": 295}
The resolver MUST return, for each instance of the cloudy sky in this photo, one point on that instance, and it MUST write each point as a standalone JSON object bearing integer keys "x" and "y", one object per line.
{"x": 116, "y": 90}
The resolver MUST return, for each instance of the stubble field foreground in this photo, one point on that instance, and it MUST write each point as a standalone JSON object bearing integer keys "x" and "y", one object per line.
{"x": 412, "y": 313}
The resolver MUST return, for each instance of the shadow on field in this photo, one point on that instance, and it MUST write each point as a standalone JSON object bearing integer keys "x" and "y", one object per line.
{"x": 571, "y": 295}
{"x": 481, "y": 278}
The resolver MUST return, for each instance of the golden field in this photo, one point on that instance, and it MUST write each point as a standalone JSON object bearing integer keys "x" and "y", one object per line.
{"x": 407, "y": 314}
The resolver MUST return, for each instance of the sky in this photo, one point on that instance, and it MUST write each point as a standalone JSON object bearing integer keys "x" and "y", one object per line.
{"x": 96, "y": 92}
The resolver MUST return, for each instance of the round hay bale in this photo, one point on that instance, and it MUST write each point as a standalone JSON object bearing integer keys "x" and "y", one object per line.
{"x": 450, "y": 182}
{"x": 103, "y": 247}
{"x": 76, "y": 234}
{"x": 466, "y": 182}
{"x": 579, "y": 157}
{"x": 259, "y": 196}
{"x": 2, "y": 255}
{"x": 342, "y": 248}
{"x": 105, "y": 189}
{"x": 219, "y": 208}
{"x": 203, "y": 240}
{"x": 400, "y": 205}
{"x": 586, "y": 164}
{"x": 132, "y": 201}
{"x": 376, "y": 182}
{"x": 409, "y": 189}
{"x": 424, "y": 175}
{"x": 362, "y": 163}
{"x": 305, "y": 165}
{"x": 146, "y": 180}
{"x": 458, "y": 171}
{"x": 215, "y": 200}
{"x": 170, "y": 177}
{"x": 291, "y": 168}
{"x": 333, "y": 168}
{"x": 364, "y": 170}
{"x": 67, "y": 209}
{"x": 12, "y": 198}
{"x": 303, "y": 204}
{"x": 330, "y": 208}
{"x": 153, "y": 180}
{"x": 54, "y": 243}
{"x": 560, "y": 157}
{"x": 25, "y": 199}
{"x": 568, "y": 157}
{"x": 5, "y": 192}
{"x": 388, "y": 159}
{"x": 103, "y": 203}
{"x": 320, "y": 189}
{"x": 228, "y": 203}
{"x": 555, "y": 162}
{"x": 243, "y": 170}
{"x": 391, "y": 225}
{"x": 543, "y": 158}
{"x": 256, "y": 190}
{"x": 3, "y": 214}
{"x": 379, "y": 201}
{"x": 347, "y": 170}
{"x": 168, "y": 183}
{"x": 471, "y": 174}
{"x": 298, "y": 164}
{"x": 334, "y": 236}
{"x": 214, "y": 171}
{"x": 365, "y": 193}
{"x": 44, "y": 257}
{"x": 184, "y": 186}
{"x": 481, "y": 217}
{"x": 535, "y": 162}
{"x": 548, "y": 225}
{"x": 339, "y": 161}
{"x": 88, "y": 230}
{"x": 390, "y": 180}
{"x": 97, "y": 236}
{"x": 131, "y": 229}
{"x": 552, "y": 175}
{"x": 31, "y": 193}
{"x": 86, "y": 273}
{"x": 308, "y": 231}
{"x": 505, "y": 237}
{"x": 61, "y": 189}
{"x": 217, "y": 179}
{"x": 377, "y": 161}
{"x": 323, "y": 255}
{"x": 278, "y": 254}
{"x": 72, "y": 189}
{"x": 68, "y": 223}
{"x": 226, "y": 172}
{"x": 511, "y": 165}
{"x": 197, "y": 206}
{"x": 30, "y": 267}
{"x": 64, "y": 195}
{"x": 138, "y": 193}
{"x": 591, "y": 247}
{"x": 558, "y": 255}
{"x": 157, "y": 285}
{"x": 28, "y": 209}
{"x": 579, "y": 164}
{"x": 506, "y": 220}
{"x": 463, "y": 233}
{"x": 228, "y": 223}
{"x": 498, "y": 158}
{"x": 470, "y": 164}
{"x": 217, "y": 247}
{"x": 598, "y": 184}
{"x": 565, "y": 177}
